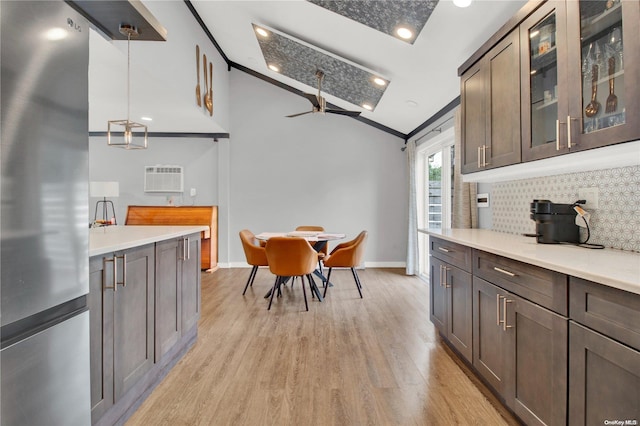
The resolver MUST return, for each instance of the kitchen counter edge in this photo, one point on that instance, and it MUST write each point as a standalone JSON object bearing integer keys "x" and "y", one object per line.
{"x": 109, "y": 239}
{"x": 614, "y": 268}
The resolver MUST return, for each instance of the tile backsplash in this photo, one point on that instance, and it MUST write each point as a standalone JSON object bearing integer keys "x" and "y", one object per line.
{"x": 615, "y": 224}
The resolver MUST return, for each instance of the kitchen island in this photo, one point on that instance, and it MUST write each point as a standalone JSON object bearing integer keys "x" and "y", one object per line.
{"x": 144, "y": 303}
{"x": 552, "y": 329}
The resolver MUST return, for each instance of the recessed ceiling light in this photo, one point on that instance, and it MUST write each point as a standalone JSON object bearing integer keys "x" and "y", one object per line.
{"x": 367, "y": 107}
{"x": 462, "y": 3}
{"x": 274, "y": 68}
{"x": 404, "y": 33}
{"x": 262, "y": 32}
{"x": 379, "y": 81}
{"x": 55, "y": 34}
{"x": 146, "y": 118}
{"x": 412, "y": 104}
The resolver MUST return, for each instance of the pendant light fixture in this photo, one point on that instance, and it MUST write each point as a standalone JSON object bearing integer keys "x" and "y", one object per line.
{"x": 131, "y": 137}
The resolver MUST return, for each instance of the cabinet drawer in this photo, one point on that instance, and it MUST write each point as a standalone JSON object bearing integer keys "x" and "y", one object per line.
{"x": 452, "y": 253}
{"x": 613, "y": 312}
{"x": 542, "y": 286}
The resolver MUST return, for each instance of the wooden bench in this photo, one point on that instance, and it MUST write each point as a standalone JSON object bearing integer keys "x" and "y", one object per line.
{"x": 184, "y": 215}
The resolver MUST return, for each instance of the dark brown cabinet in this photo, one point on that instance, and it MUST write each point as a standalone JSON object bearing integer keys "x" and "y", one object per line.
{"x": 190, "y": 282}
{"x": 554, "y": 348}
{"x": 490, "y": 105}
{"x": 604, "y": 379}
{"x": 121, "y": 301}
{"x": 451, "y": 305}
{"x": 604, "y": 357}
{"x": 580, "y": 68}
{"x": 177, "y": 290}
{"x": 451, "y": 309}
{"x": 514, "y": 338}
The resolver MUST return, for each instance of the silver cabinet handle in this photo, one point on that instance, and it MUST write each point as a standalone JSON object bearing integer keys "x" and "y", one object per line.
{"x": 114, "y": 287}
{"x": 504, "y": 309}
{"x": 124, "y": 270}
{"x": 444, "y": 249}
{"x": 184, "y": 249}
{"x": 484, "y": 156}
{"x": 440, "y": 283}
{"x": 498, "y": 320}
{"x": 511, "y": 274}
{"x": 445, "y": 277}
{"x": 569, "y": 138}
{"x": 479, "y": 163}
{"x": 188, "y": 249}
{"x": 557, "y": 135}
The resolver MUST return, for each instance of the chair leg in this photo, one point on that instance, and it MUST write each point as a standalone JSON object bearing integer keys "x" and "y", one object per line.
{"x": 326, "y": 287}
{"x": 306, "y": 304}
{"x": 252, "y": 275}
{"x": 357, "y": 280}
{"x": 273, "y": 291}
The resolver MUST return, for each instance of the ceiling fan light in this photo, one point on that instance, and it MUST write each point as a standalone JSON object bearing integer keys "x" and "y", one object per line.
{"x": 367, "y": 107}
{"x": 379, "y": 81}
{"x": 262, "y": 32}
{"x": 274, "y": 68}
{"x": 462, "y": 3}
{"x": 404, "y": 33}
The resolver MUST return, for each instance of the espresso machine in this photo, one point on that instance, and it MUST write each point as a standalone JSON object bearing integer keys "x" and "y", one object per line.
{"x": 555, "y": 223}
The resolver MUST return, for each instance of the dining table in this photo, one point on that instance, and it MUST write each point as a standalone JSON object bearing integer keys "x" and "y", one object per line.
{"x": 319, "y": 239}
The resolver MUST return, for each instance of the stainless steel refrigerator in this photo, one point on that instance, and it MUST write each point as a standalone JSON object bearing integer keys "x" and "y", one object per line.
{"x": 44, "y": 356}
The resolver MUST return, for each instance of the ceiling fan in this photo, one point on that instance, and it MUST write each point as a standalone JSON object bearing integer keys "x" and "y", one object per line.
{"x": 320, "y": 103}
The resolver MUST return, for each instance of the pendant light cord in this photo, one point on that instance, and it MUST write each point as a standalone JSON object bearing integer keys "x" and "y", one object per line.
{"x": 128, "y": 76}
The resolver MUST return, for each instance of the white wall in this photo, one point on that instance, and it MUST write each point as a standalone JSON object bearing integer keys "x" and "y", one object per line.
{"x": 199, "y": 157}
{"x": 327, "y": 170}
{"x": 163, "y": 77}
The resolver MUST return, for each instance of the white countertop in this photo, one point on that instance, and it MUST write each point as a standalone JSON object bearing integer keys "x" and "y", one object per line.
{"x": 614, "y": 268}
{"x": 108, "y": 239}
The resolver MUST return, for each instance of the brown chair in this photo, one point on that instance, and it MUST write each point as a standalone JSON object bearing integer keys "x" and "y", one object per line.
{"x": 347, "y": 255}
{"x": 290, "y": 257}
{"x": 254, "y": 252}
{"x": 314, "y": 228}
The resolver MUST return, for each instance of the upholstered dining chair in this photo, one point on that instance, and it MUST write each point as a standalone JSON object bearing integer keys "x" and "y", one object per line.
{"x": 290, "y": 257}
{"x": 324, "y": 251}
{"x": 347, "y": 255}
{"x": 255, "y": 254}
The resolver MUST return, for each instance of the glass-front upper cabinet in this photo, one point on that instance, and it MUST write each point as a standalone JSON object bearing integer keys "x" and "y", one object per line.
{"x": 544, "y": 89}
{"x": 582, "y": 72}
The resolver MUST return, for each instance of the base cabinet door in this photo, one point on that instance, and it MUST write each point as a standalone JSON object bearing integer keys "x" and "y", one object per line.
{"x": 190, "y": 286}
{"x": 459, "y": 310}
{"x": 100, "y": 302}
{"x": 520, "y": 349}
{"x": 536, "y": 387}
{"x": 490, "y": 351}
{"x": 133, "y": 330}
{"x": 168, "y": 303}
{"x": 438, "y": 295}
{"x": 604, "y": 379}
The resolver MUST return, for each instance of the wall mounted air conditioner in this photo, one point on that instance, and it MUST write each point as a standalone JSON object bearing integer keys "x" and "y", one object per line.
{"x": 161, "y": 178}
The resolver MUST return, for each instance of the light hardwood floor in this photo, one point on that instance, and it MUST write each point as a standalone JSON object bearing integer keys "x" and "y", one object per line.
{"x": 348, "y": 361}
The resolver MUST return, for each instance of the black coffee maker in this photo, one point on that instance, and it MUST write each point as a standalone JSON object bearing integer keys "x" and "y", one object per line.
{"x": 555, "y": 223}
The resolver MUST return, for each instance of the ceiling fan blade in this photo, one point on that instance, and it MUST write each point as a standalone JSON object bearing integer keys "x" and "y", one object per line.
{"x": 343, "y": 112}
{"x": 313, "y": 99}
{"x": 301, "y": 113}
